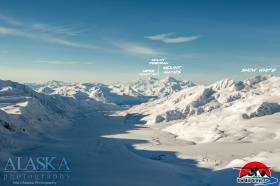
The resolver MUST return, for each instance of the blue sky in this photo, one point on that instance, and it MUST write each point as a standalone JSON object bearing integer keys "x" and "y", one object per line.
{"x": 113, "y": 40}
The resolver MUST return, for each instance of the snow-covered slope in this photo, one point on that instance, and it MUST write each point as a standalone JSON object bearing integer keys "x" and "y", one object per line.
{"x": 118, "y": 94}
{"x": 26, "y": 112}
{"x": 217, "y": 112}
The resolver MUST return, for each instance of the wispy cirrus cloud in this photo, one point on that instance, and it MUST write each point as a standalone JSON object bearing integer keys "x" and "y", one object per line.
{"x": 10, "y": 20}
{"x": 137, "y": 49}
{"x": 47, "y": 38}
{"x": 7, "y": 31}
{"x": 170, "y": 39}
{"x": 46, "y": 28}
{"x": 63, "y": 62}
{"x": 57, "y": 62}
{"x": 42, "y": 32}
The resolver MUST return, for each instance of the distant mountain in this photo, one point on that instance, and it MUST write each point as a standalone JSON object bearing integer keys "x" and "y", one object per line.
{"x": 153, "y": 87}
{"x": 119, "y": 94}
{"x": 209, "y": 113}
{"x": 88, "y": 92}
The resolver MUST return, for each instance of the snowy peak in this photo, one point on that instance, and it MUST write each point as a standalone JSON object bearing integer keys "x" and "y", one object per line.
{"x": 227, "y": 84}
{"x": 13, "y": 88}
{"x": 170, "y": 79}
{"x": 257, "y": 79}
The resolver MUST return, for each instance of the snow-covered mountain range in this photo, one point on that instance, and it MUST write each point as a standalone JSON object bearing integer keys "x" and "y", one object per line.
{"x": 193, "y": 121}
{"x": 217, "y": 109}
{"x": 223, "y": 111}
{"x": 132, "y": 93}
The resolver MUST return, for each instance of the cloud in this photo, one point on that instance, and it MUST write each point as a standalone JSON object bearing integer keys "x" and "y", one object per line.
{"x": 89, "y": 63}
{"x": 46, "y": 28}
{"x": 66, "y": 42}
{"x": 137, "y": 49}
{"x": 168, "y": 38}
{"x": 9, "y": 31}
{"x": 30, "y": 34}
{"x": 42, "y": 32}
{"x": 10, "y": 20}
{"x": 62, "y": 62}
{"x": 57, "y": 62}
